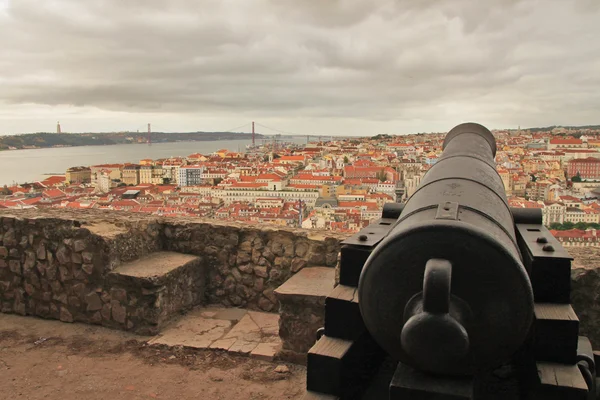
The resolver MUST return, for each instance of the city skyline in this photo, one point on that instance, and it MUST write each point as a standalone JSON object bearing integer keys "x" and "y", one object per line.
{"x": 341, "y": 68}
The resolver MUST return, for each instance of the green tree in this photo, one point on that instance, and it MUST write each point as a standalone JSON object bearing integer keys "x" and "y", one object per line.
{"x": 581, "y": 225}
{"x": 381, "y": 175}
{"x": 576, "y": 178}
{"x": 346, "y": 161}
{"x": 568, "y": 225}
{"x": 556, "y": 226}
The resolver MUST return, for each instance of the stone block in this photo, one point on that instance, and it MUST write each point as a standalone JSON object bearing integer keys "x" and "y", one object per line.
{"x": 41, "y": 251}
{"x": 261, "y": 271}
{"x": 87, "y": 257}
{"x": 63, "y": 255}
{"x": 79, "y": 245}
{"x": 118, "y": 294}
{"x": 65, "y": 315}
{"x": 15, "y": 266}
{"x": 76, "y": 258}
{"x": 93, "y": 301}
{"x": 236, "y": 274}
{"x": 88, "y": 268}
{"x": 3, "y": 252}
{"x": 119, "y": 313}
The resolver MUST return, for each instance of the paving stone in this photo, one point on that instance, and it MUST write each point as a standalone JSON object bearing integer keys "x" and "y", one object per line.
{"x": 230, "y": 314}
{"x": 242, "y": 346}
{"x": 223, "y": 344}
{"x": 194, "y": 332}
{"x": 266, "y": 351}
{"x": 245, "y": 330}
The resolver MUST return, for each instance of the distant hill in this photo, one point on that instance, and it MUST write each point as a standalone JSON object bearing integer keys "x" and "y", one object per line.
{"x": 549, "y": 128}
{"x": 44, "y": 139}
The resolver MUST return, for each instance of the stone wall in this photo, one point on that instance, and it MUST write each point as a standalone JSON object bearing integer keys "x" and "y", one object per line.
{"x": 585, "y": 291}
{"x": 246, "y": 264}
{"x": 56, "y": 268}
{"x": 57, "y": 264}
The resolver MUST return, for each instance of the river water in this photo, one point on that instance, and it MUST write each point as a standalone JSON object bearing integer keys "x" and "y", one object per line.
{"x": 19, "y": 166}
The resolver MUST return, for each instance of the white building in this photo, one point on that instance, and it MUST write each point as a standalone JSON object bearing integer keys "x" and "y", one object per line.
{"x": 190, "y": 175}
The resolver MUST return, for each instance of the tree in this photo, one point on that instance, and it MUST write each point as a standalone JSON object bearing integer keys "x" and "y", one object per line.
{"x": 5, "y": 191}
{"x": 533, "y": 178}
{"x": 576, "y": 178}
{"x": 346, "y": 161}
{"x": 581, "y": 225}
{"x": 381, "y": 175}
{"x": 556, "y": 226}
{"x": 568, "y": 225}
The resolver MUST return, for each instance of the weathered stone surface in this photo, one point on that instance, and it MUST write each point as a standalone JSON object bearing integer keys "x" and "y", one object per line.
{"x": 93, "y": 302}
{"x": 79, "y": 245}
{"x": 243, "y": 257}
{"x": 261, "y": 271}
{"x": 246, "y": 268}
{"x": 236, "y": 274}
{"x": 65, "y": 315}
{"x": 119, "y": 313}
{"x": 118, "y": 294}
{"x": 76, "y": 258}
{"x": 88, "y": 268}
{"x": 63, "y": 255}
{"x": 265, "y": 304}
{"x": 87, "y": 257}
{"x": 41, "y": 251}
{"x": 298, "y": 264}
{"x": 106, "y": 311}
{"x": 15, "y": 266}
{"x": 3, "y": 252}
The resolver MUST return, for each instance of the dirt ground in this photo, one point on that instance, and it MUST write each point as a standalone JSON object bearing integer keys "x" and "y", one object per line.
{"x": 51, "y": 360}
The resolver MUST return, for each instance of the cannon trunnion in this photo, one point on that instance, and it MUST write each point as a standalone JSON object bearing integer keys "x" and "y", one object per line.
{"x": 464, "y": 296}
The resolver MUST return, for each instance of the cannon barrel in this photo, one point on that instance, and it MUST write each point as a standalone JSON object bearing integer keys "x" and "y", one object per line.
{"x": 446, "y": 291}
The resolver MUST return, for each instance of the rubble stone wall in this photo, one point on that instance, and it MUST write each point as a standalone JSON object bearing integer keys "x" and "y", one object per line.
{"x": 246, "y": 264}
{"x": 57, "y": 268}
{"x": 57, "y": 264}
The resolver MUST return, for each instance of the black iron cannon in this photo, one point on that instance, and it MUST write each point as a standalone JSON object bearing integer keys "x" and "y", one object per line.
{"x": 451, "y": 288}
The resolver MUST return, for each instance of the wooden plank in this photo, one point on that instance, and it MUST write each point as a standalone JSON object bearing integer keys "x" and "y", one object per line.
{"x": 324, "y": 365}
{"x": 352, "y": 260}
{"x": 342, "y": 314}
{"x": 560, "y": 382}
{"x": 318, "y": 396}
{"x": 409, "y": 383}
{"x": 556, "y": 333}
{"x": 549, "y": 271}
{"x": 342, "y": 367}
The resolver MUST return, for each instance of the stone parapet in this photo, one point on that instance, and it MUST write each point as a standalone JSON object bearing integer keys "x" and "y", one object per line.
{"x": 61, "y": 264}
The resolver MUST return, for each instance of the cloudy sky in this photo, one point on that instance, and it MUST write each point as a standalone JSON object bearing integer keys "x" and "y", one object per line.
{"x": 310, "y": 66}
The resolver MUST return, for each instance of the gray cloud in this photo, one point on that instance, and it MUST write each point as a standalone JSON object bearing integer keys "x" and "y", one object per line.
{"x": 393, "y": 65}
